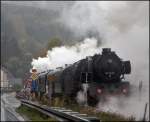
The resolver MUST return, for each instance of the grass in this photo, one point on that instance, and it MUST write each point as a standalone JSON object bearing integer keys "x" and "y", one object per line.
{"x": 103, "y": 116}
{"x": 32, "y": 114}
{"x": 107, "y": 116}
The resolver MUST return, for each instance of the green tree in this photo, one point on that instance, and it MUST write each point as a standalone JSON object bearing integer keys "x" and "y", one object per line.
{"x": 17, "y": 87}
{"x": 54, "y": 42}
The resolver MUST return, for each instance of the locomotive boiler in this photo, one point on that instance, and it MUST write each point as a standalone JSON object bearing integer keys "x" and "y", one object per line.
{"x": 104, "y": 74}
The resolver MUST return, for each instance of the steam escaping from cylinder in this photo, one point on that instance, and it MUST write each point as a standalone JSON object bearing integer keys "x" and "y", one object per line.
{"x": 82, "y": 95}
{"x": 133, "y": 105}
{"x": 81, "y": 98}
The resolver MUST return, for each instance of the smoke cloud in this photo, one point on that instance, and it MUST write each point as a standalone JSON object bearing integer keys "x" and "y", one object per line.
{"x": 59, "y": 56}
{"x": 122, "y": 26}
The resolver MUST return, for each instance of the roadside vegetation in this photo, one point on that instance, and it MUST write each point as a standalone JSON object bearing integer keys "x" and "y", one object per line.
{"x": 32, "y": 114}
{"x": 17, "y": 87}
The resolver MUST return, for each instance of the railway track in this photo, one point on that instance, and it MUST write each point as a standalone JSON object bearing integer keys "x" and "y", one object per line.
{"x": 62, "y": 114}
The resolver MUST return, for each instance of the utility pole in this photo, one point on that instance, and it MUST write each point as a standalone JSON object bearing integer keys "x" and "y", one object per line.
{"x": 140, "y": 86}
{"x": 140, "y": 89}
{"x": 145, "y": 112}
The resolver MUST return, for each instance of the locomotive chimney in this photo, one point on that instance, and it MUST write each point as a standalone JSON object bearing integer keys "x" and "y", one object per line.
{"x": 66, "y": 65}
{"x": 106, "y": 50}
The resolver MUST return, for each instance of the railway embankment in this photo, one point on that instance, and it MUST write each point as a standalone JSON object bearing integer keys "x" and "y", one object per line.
{"x": 35, "y": 115}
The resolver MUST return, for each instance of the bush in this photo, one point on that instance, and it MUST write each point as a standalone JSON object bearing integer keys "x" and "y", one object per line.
{"x": 17, "y": 87}
{"x": 33, "y": 114}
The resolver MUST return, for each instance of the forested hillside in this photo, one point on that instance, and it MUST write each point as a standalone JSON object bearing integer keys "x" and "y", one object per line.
{"x": 25, "y": 33}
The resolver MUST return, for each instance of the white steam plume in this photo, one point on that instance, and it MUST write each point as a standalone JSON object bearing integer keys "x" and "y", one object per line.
{"x": 59, "y": 56}
{"x": 122, "y": 26}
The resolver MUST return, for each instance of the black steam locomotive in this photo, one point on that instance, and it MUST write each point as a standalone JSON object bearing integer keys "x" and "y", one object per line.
{"x": 104, "y": 73}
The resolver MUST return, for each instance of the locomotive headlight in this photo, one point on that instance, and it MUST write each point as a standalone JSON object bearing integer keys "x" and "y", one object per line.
{"x": 124, "y": 90}
{"x": 99, "y": 90}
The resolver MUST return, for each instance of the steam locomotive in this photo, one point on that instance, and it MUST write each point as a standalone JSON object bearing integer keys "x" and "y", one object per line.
{"x": 104, "y": 73}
